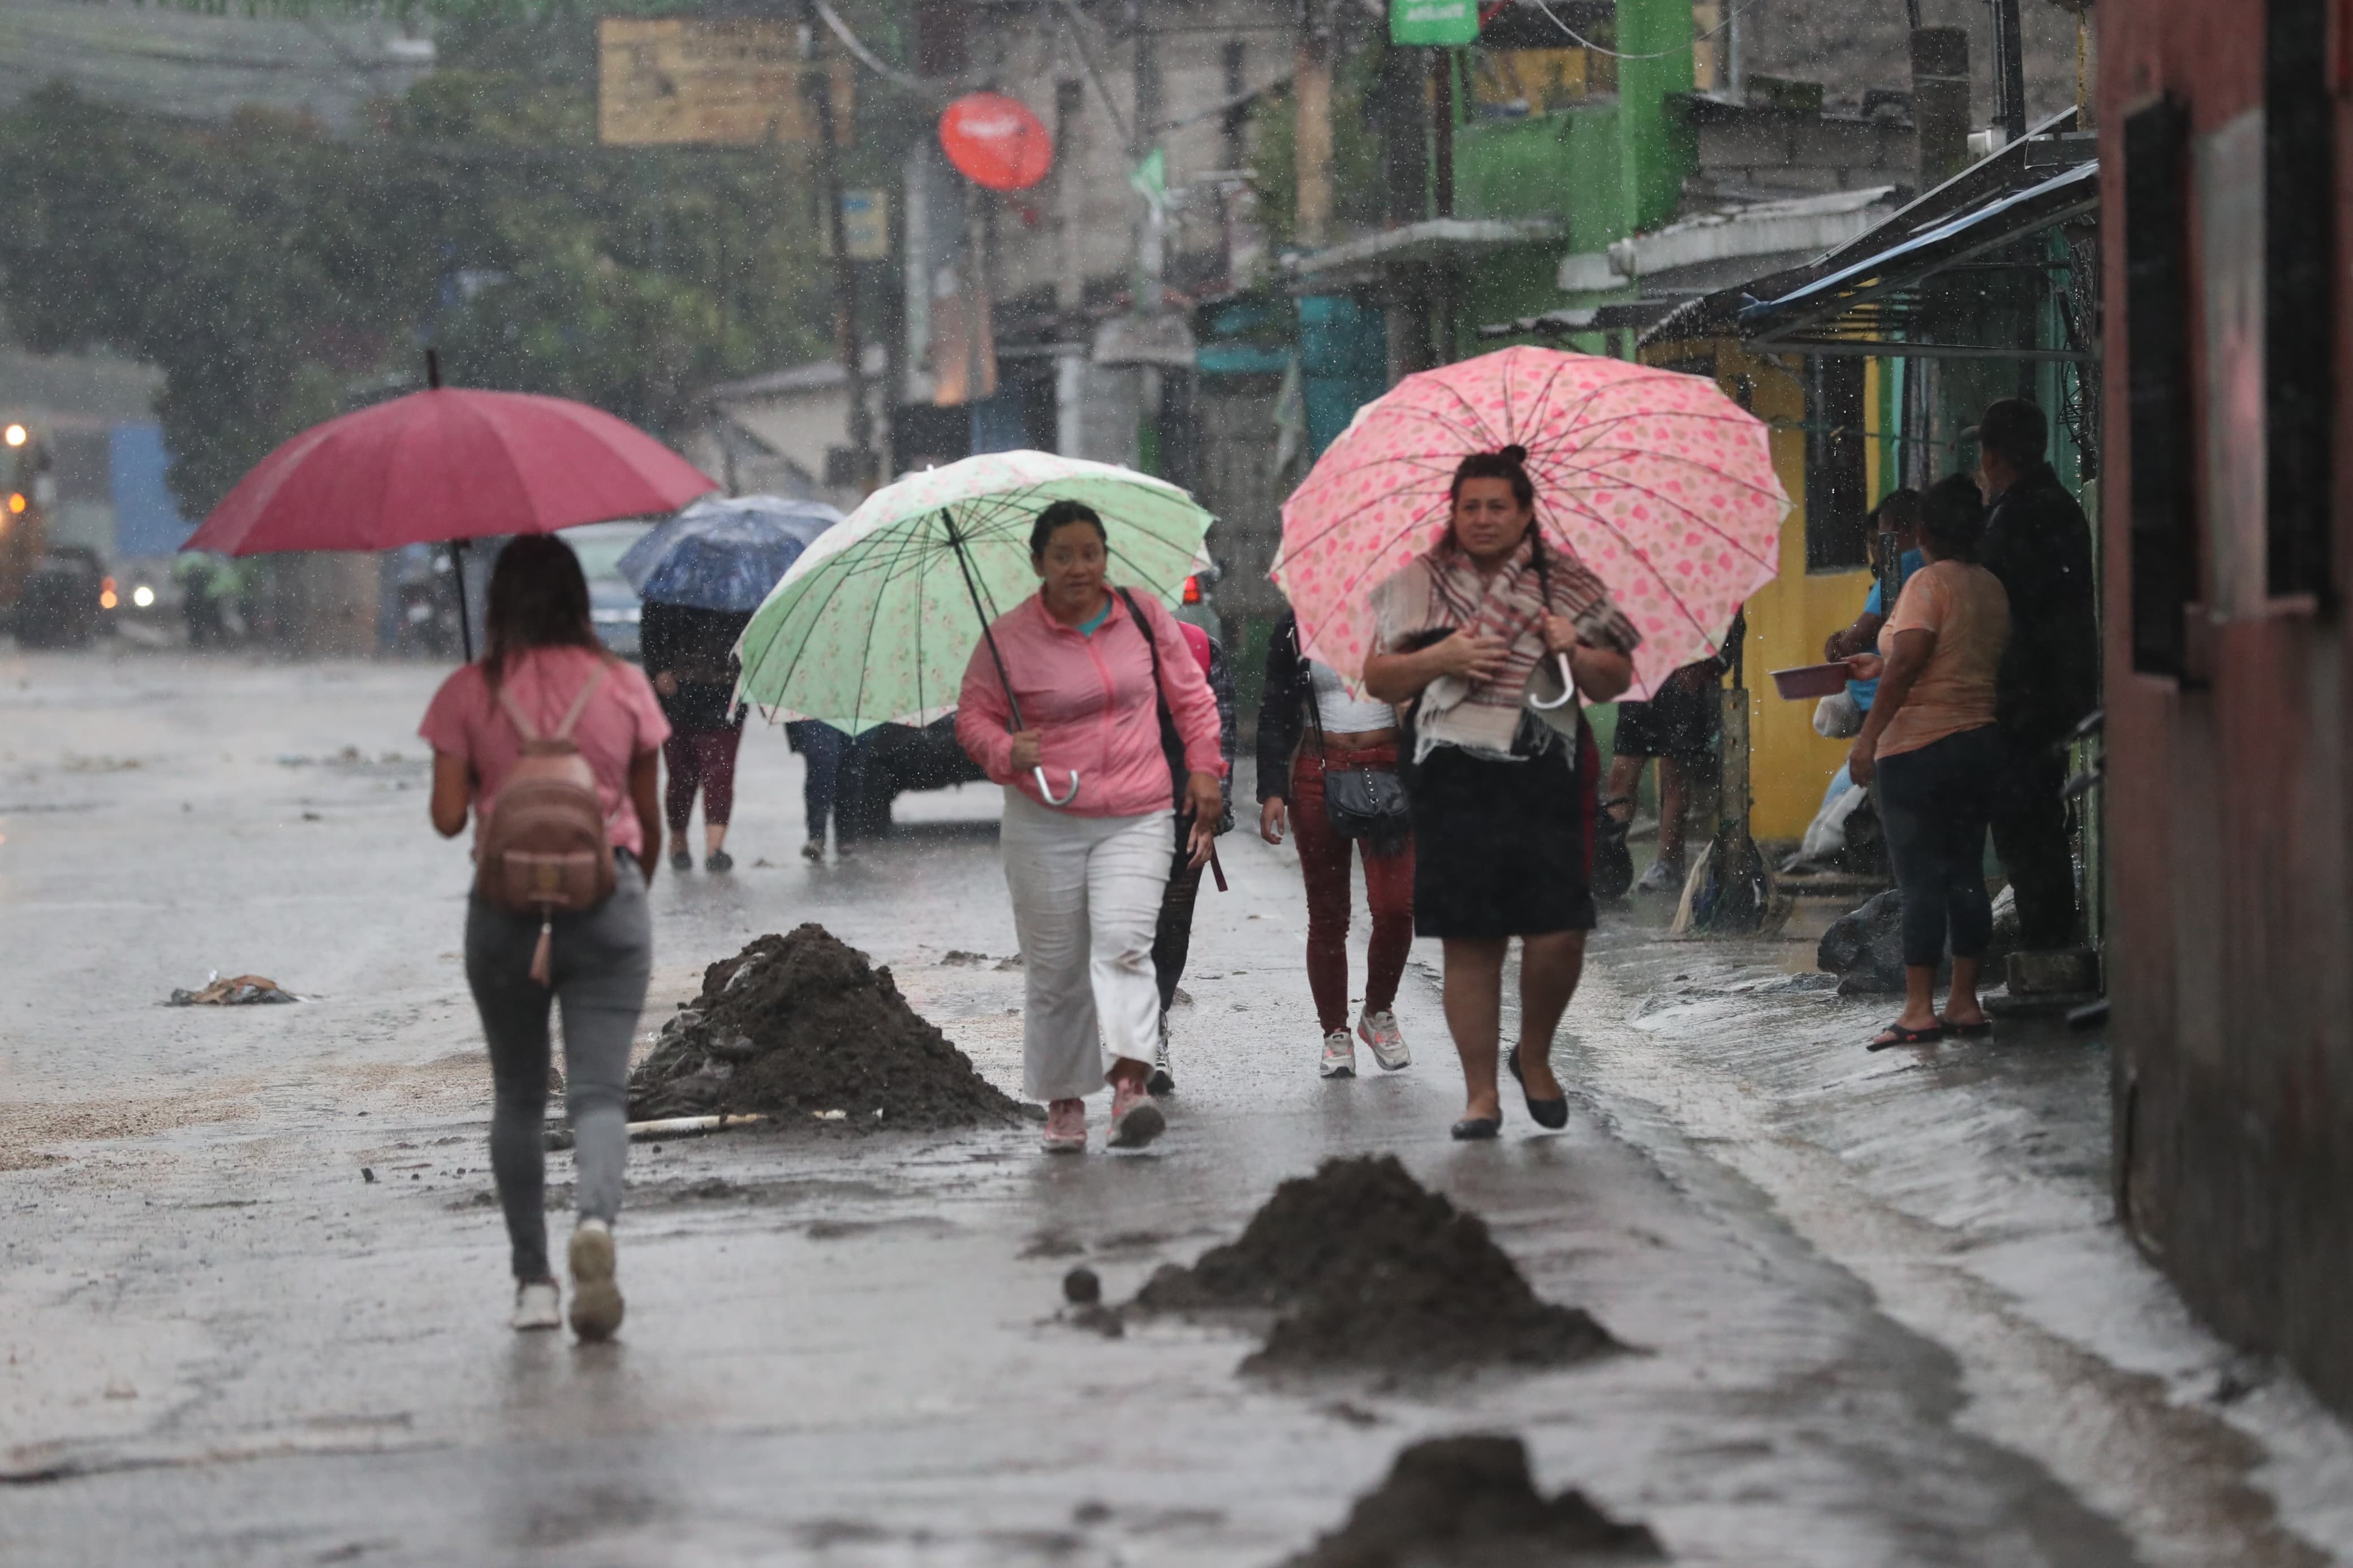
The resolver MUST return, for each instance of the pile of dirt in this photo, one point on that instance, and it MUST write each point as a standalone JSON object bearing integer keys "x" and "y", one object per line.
{"x": 1467, "y": 1502}
{"x": 799, "y": 1026}
{"x": 1364, "y": 1265}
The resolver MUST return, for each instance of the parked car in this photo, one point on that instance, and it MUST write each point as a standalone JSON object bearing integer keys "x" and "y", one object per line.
{"x": 613, "y": 604}
{"x": 1195, "y": 604}
{"x": 900, "y": 758}
{"x": 65, "y": 599}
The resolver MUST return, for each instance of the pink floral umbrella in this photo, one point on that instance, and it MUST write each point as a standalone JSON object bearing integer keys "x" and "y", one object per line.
{"x": 1660, "y": 483}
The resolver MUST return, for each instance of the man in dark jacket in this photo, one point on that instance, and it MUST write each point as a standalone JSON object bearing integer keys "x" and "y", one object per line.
{"x": 2038, "y": 544}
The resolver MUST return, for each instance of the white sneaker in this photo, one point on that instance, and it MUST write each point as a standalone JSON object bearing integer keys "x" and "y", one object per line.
{"x": 536, "y": 1307}
{"x": 1663, "y": 876}
{"x": 1162, "y": 1080}
{"x": 1379, "y": 1030}
{"x": 595, "y": 1297}
{"x": 1339, "y": 1055}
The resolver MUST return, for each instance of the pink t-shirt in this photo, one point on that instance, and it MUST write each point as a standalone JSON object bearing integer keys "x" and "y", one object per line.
{"x": 622, "y": 723}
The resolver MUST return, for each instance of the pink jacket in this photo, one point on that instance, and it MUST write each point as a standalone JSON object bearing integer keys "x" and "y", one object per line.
{"x": 1091, "y": 699}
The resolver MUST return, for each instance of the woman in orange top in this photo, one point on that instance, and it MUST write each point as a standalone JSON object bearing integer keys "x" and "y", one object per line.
{"x": 1930, "y": 740}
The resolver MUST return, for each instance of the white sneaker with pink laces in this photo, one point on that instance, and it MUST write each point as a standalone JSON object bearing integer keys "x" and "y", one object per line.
{"x": 1066, "y": 1127}
{"x": 1380, "y": 1031}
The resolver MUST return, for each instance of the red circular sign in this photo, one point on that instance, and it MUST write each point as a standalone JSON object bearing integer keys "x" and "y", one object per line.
{"x": 995, "y": 141}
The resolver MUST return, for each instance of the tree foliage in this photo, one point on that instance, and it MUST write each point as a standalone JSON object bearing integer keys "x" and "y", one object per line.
{"x": 278, "y": 274}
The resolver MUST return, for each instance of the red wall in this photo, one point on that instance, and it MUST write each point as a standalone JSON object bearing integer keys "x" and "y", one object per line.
{"x": 2231, "y": 956}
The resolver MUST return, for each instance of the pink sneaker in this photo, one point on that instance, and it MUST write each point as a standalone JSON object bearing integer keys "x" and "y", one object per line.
{"x": 1066, "y": 1127}
{"x": 1135, "y": 1117}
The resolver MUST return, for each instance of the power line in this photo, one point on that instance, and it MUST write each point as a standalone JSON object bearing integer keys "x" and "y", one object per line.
{"x": 1585, "y": 43}
{"x": 868, "y": 57}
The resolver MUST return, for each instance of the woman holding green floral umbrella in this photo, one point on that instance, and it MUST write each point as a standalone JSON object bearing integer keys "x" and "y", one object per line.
{"x": 983, "y": 588}
{"x": 1089, "y": 794}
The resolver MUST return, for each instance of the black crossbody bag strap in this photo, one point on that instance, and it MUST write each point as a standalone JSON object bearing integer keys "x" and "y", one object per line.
{"x": 1172, "y": 743}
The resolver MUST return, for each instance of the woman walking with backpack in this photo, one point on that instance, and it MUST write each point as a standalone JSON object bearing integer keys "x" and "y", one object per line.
{"x": 1312, "y": 731}
{"x": 553, "y": 747}
{"x": 1471, "y": 635}
{"x": 1102, "y": 675}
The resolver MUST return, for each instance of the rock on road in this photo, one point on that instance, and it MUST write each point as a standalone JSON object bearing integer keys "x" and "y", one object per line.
{"x": 1882, "y": 1314}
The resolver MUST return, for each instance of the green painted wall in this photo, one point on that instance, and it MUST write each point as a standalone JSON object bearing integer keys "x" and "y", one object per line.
{"x": 1565, "y": 166}
{"x": 1605, "y": 170}
{"x": 1656, "y": 140}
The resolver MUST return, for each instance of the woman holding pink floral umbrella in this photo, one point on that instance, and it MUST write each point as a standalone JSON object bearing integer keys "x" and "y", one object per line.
{"x": 1481, "y": 543}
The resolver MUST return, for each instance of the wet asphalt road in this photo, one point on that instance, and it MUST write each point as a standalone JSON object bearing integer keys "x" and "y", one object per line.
{"x": 1882, "y": 1315}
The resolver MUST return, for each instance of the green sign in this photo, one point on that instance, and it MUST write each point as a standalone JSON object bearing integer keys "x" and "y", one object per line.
{"x": 1444, "y": 22}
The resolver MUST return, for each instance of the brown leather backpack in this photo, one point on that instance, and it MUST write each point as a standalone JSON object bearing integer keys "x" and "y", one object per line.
{"x": 544, "y": 846}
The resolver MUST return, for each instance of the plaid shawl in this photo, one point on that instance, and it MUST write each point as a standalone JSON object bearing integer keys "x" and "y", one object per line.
{"x": 1443, "y": 591}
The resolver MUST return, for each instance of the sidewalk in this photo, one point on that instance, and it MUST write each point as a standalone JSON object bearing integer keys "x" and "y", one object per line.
{"x": 1966, "y": 1187}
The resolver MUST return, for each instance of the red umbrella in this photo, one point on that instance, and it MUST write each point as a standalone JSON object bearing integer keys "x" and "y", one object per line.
{"x": 445, "y": 465}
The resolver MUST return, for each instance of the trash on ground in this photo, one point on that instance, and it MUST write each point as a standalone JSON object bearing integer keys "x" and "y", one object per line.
{"x": 237, "y": 991}
{"x": 1864, "y": 948}
{"x": 1364, "y": 1265}
{"x": 799, "y": 1026}
{"x": 668, "y": 1127}
{"x": 1471, "y": 1499}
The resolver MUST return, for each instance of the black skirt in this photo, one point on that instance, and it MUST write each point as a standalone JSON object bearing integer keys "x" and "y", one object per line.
{"x": 1504, "y": 848}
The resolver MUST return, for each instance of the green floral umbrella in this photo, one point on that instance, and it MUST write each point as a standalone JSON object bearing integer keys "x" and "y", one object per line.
{"x": 875, "y": 622}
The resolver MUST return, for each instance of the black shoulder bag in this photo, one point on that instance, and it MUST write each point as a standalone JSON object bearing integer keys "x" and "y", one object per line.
{"x": 1361, "y": 802}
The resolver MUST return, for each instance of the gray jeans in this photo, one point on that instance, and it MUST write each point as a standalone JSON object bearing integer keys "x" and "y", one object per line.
{"x": 602, "y": 960}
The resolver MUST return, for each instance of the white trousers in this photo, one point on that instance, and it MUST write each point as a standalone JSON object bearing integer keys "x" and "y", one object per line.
{"x": 1086, "y": 902}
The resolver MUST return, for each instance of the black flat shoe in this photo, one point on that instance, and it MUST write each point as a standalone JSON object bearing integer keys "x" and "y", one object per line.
{"x": 1473, "y": 1129}
{"x": 679, "y": 861}
{"x": 1548, "y": 1114}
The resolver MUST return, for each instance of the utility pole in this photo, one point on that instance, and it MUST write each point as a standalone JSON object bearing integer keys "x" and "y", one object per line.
{"x": 1311, "y": 97}
{"x": 1143, "y": 137}
{"x": 1940, "y": 102}
{"x": 1441, "y": 143}
{"x": 1148, "y": 295}
{"x": 817, "y": 80}
{"x": 2008, "y": 70}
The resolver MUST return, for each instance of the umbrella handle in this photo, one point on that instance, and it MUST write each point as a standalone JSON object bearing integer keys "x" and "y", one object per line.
{"x": 1568, "y": 689}
{"x": 1046, "y": 791}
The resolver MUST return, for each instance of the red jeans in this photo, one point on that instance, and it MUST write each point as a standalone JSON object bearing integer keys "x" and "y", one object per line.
{"x": 704, "y": 757}
{"x": 1324, "y": 863}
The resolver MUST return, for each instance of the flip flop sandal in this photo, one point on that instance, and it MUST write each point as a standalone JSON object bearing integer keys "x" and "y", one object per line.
{"x": 1900, "y": 1035}
{"x": 1976, "y": 1031}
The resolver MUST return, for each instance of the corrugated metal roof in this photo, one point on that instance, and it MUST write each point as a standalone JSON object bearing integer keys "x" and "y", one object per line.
{"x": 161, "y": 60}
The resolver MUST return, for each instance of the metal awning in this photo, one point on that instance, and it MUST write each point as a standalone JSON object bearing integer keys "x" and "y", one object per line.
{"x": 1433, "y": 239}
{"x": 1623, "y": 313}
{"x": 1904, "y": 299}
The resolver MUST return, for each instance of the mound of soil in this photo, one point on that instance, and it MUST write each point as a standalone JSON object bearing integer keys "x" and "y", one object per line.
{"x": 802, "y": 1024}
{"x": 1367, "y": 1267}
{"x": 1469, "y": 1502}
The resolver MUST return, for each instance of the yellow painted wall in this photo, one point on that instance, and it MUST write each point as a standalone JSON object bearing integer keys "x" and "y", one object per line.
{"x": 1791, "y": 616}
